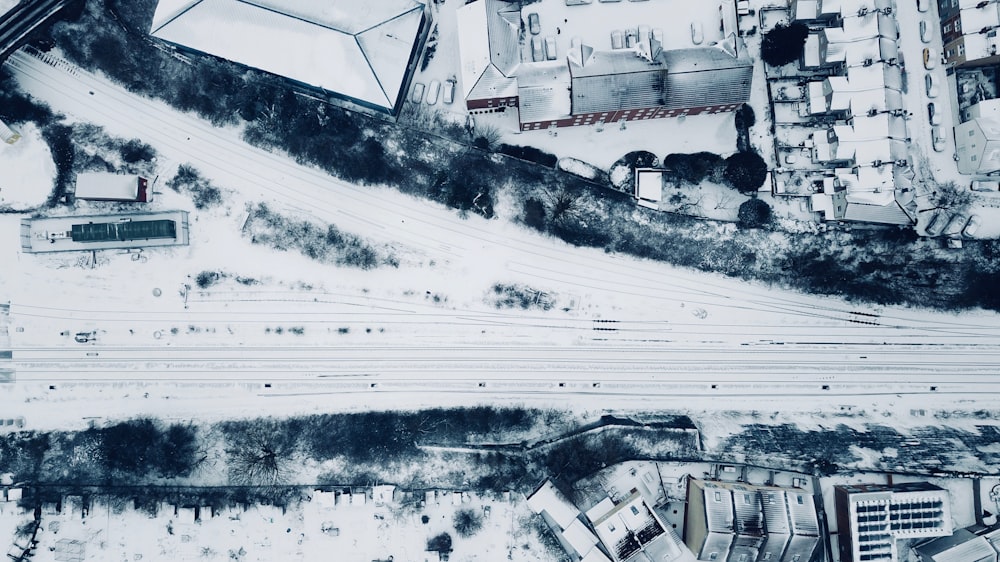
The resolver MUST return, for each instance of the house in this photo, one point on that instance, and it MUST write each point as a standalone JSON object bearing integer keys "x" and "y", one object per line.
{"x": 870, "y": 518}
{"x": 360, "y": 52}
{"x": 969, "y": 32}
{"x": 566, "y": 523}
{"x": 738, "y": 521}
{"x": 489, "y": 60}
{"x": 963, "y": 545}
{"x": 632, "y": 532}
{"x": 977, "y": 145}
{"x": 100, "y": 186}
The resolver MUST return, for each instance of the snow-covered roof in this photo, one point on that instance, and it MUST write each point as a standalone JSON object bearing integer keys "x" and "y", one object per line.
{"x": 488, "y": 43}
{"x": 579, "y": 537}
{"x": 706, "y": 77}
{"x": 974, "y": 19}
{"x": 884, "y": 214}
{"x": 358, "y": 50}
{"x": 961, "y": 546}
{"x": 101, "y": 185}
{"x": 550, "y": 500}
{"x": 649, "y": 185}
{"x": 543, "y": 91}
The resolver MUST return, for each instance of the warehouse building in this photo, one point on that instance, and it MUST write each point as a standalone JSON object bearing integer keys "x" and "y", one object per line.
{"x": 361, "y": 52}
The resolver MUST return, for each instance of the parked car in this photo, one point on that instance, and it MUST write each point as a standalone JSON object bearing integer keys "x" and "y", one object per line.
{"x": 697, "y": 33}
{"x": 930, "y": 86}
{"x": 534, "y": 25}
{"x": 937, "y": 139}
{"x": 449, "y": 90}
{"x": 617, "y": 39}
{"x": 980, "y": 185}
{"x": 935, "y": 225}
{"x": 930, "y": 58}
{"x": 932, "y": 115}
{"x": 972, "y": 226}
{"x": 550, "y": 48}
{"x": 433, "y": 91}
{"x": 925, "y": 32}
{"x": 537, "y": 54}
{"x": 418, "y": 92}
{"x": 922, "y": 5}
{"x": 955, "y": 225}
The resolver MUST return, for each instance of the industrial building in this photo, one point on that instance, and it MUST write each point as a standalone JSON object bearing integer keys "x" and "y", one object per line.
{"x": 870, "y": 518}
{"x": 104, "y": 232}
{"x": 361, "y": 52}
{"x": 738, "y": 521}
{"x": 591, "y": 86}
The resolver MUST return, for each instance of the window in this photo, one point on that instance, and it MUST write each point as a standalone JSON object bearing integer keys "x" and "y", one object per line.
{"x": 946, "y": 28}
{"x": 635, "y": 510}
{"x": 718, "y": 496}
{"x": 961, "y": 49}
{"x": 972, "y": 133}
{"x": 958, "y": 26}
{"x": 799, "y": 498}
{"x": 973, "y": 158}
{"x": 713, "y": 556}
{"x": 611, "y": 527}
{"x": 746, "y": 499}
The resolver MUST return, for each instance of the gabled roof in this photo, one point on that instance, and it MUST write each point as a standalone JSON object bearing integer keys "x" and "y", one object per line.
{"x": 360, "y": 50}
{"x": 495, "y": 54}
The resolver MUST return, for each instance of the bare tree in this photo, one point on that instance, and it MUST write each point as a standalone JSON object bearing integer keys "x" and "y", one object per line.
{"x": 258, "y": 458}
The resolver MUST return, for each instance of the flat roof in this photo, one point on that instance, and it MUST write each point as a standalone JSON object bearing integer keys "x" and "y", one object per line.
{"x": 104, "y": 232}
{"x": 103, "y": 185}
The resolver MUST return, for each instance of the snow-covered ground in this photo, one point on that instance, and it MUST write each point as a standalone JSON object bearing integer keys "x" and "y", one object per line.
{"x": 358, "y": 530}
{"x": 6, "y": 5}
{"x": 661, "y": 306}
{"x": 28, "y": 171}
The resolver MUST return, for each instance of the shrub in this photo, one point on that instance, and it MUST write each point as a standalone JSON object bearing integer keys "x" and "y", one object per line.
{"x": 745, "y": 171}
{"x": 784, "y": 43}
{"x": 693, "y": 168}
{"x": 534, "y": 214}
{"x": 530, "y": 154}
{"x": 439, "y": 543}
{"x": 206, "y": 279}
{"x": 135, "y": 150}
{"x": 754, "y": 213}
{"x": 467, "y": 522}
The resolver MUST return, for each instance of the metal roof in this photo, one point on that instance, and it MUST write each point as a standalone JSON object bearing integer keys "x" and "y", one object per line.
{"x": 359, "y": 50}
{"x": 493, "y": 84}
{"x": 717, "y": 543}
{"x": 122, "y": 231}
{"x": 775, "y": 514}
{"x": 800, "y": 549}
{"x": 616, "y": 80}
{"x": 706, "y": 77}
{"x": 543, "y": 91}
{"x": 885, "y": 214}
{"x": 101, "y": 185}
{"x": 961, "y": 546}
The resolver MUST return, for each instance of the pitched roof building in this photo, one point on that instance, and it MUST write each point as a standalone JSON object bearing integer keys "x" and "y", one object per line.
{"x": 977, "y": 144}
{"x": 736, "y": 521}
{"x": 362, "y": 52}
{"x": 593, "y": 86}
{"x": 566, "y": 523}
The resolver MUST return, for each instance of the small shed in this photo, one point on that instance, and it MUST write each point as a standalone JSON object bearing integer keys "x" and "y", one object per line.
{"x": 102, "y": 186}
{"x": 649, "y": 187}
